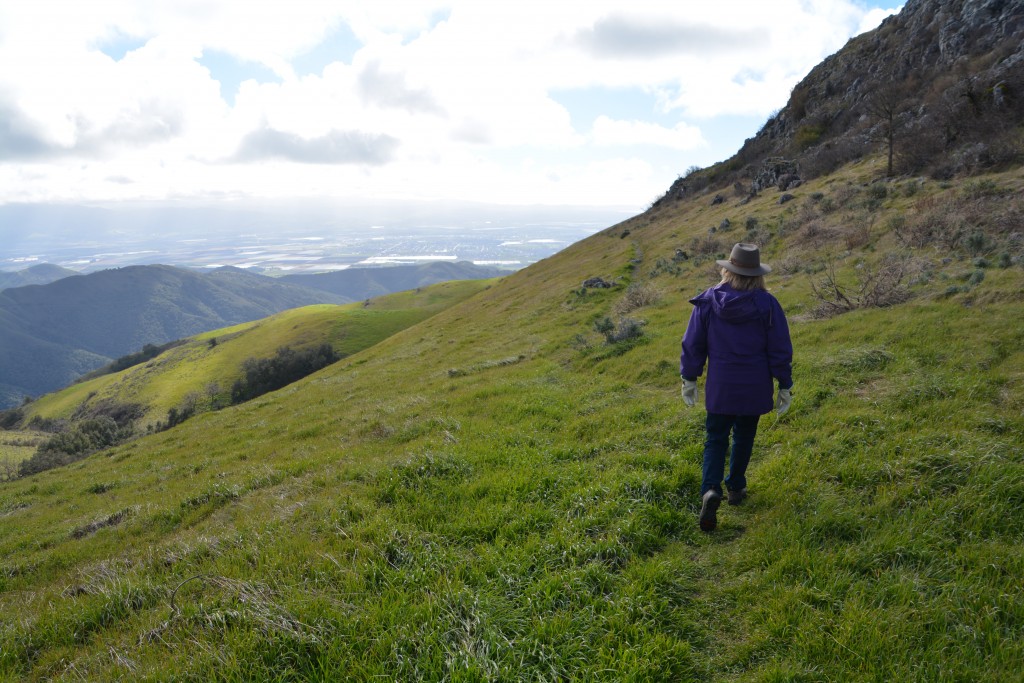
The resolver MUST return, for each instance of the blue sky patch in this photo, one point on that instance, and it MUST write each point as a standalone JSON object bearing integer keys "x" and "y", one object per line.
{"x": 340, "y": 45}
{"x": 231, "y": 72}
{"x": 436, "y": 18}
{"x": 623, "y": 104}
{"x": 117, "y": 46}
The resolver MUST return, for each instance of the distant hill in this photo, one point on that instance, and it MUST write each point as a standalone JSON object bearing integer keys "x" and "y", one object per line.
{"x": 41, "y": 274}
{"x": 357, "y": 284}
{"x": 51, "y": 334}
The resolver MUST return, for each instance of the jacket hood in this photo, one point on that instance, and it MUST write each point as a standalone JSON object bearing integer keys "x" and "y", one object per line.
{"x": 729, "y": 304}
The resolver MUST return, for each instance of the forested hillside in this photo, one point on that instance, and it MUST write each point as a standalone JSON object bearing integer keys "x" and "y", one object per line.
{"x": 42, "y": 274}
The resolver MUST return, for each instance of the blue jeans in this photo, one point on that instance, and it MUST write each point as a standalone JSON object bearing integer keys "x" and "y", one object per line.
{"x": 744, "y": 429}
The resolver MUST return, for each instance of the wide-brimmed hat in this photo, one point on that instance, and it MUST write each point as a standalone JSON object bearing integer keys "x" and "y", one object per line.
{"x": 745, "y": 259}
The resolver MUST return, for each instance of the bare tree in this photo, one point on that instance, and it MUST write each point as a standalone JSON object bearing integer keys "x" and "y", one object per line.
{"x": 886, "y": 103}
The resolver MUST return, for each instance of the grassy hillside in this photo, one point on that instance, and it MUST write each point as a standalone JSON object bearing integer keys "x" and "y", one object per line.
{"x": 498, "y": 493}
{"x": 205, "y": 367}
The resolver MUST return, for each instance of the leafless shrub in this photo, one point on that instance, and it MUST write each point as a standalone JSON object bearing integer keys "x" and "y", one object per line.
{"x": 979, "y": 221}
{"x": 936, "y": 223}
{"x": 705, "y": 246}
{"x": 789, "y": 265}
{"x": 844, "y": 195}
{"x": 637, "y": 295}
{"x": 815, "y": 234}
{"x": 873, "y": 287}
{"x": 858, "y": 232}
{"x": 807, "y": 212}
{"x": 8, "y": 468}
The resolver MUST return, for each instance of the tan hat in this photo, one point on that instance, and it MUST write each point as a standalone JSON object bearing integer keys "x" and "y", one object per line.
{"x": 745, "y": 259}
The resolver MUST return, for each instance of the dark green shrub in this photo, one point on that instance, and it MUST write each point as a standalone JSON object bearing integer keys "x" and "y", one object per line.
{"x": 83, "y": 439}
{"x": 285, "y": 367}
{"x": 627, "y": 329}
{"x": 604, "y": 325}
{"x": 148, "y": 352}
{"x": 976, "y": 243}
{"x": 877, "y": 191}
{"x": 9, "y": 419}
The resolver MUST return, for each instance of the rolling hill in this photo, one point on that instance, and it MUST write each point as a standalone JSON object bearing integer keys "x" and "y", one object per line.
{"x": 201, "y": 370}
{"x": 42, "y": 274}
{"x": 56, "y": 332}
{"x": 505, "y": 492}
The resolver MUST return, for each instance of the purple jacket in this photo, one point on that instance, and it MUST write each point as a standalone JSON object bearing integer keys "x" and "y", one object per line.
{"x": 744, "y": 338}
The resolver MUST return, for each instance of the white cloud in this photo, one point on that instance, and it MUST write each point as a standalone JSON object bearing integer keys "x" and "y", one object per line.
{"x": 443, "y": 98}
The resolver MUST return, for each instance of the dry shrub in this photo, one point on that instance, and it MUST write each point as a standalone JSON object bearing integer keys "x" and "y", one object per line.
{"x": 876, "y": 286}
{"x": 975, "y": 222}
{"x": 845, "y": 195}
{"x": 807, "y": 213}
{"x": 705, "y": 246}
{"x": 858, "y": 233}
{"x": 815, "y": 234}
{"x": 637, "y": 295}
{"x": 789, "y": 265}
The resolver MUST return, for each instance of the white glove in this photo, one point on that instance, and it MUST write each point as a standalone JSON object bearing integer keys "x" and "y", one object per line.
{"x": 689, "y": 392}
{"x": 782, "y": 401}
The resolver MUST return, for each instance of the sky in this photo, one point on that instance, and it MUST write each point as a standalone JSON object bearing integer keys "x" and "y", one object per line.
{"x": 517, "y": 102}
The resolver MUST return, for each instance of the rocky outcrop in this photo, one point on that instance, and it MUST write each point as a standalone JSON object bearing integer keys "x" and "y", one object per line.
{"x": 777, "y": 172}
{"x": 942, "y": 73}
{"x": 941, "y": 83}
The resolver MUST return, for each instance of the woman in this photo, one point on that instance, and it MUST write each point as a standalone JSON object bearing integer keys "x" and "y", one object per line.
{"x": 739, "y": 329}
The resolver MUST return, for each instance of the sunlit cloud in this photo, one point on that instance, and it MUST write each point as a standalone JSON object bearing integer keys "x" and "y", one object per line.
{"x": 448, "y": 99}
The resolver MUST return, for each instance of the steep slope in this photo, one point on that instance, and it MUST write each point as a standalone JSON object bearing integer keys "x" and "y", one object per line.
{"x": 357, "y": 284}
{"x": 501, "y": 493}
{"x": 54, "y": 333}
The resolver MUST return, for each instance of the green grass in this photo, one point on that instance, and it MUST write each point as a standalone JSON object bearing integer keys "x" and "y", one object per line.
{"x": 16, "y": 446}
{"x": 496, "y": 494}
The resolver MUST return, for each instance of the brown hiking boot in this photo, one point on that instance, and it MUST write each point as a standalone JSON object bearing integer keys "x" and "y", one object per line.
{"x": 709, "y": 510}
{"x": 737, "y": 497}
